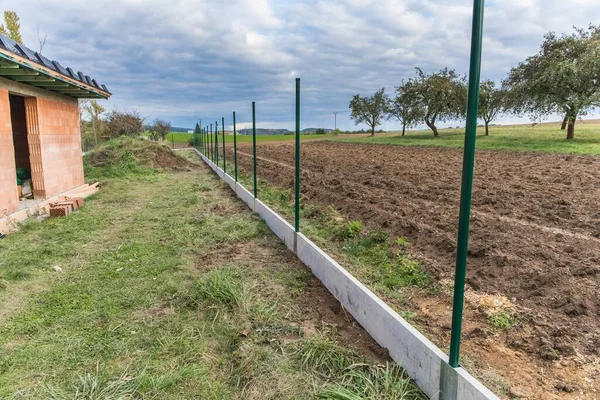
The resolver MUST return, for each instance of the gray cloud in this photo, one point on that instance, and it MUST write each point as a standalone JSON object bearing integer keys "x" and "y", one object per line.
{"x": 184, "y": 60}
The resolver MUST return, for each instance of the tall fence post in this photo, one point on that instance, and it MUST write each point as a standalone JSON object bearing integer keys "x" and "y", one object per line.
{"x": 224, "y": 152}
{"x": 235, "y": 166}
{"x": 217, "y": 142}
{"x": 467, "y": 183}
{"x": 201, "y": 145}
{"x": 212, "y": 150}
{"x": 297, "y": 180}
{"x": 254, "y": 146}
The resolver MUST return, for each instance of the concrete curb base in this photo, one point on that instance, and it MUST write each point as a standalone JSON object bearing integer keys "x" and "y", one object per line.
{"x": 426, "y": 364}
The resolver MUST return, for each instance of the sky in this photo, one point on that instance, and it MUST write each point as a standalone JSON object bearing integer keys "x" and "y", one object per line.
{"x": 185, "y": 60}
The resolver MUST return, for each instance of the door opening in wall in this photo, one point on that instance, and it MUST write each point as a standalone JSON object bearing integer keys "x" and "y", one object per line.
{"x": 21, "y": 145}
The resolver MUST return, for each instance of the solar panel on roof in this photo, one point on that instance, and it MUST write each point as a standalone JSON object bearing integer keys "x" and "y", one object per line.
{"x": 45, "y": 61}
{"x": 60, "y": 68}
{"x": 11, "y": 45}
{"x": 27, "y": 52}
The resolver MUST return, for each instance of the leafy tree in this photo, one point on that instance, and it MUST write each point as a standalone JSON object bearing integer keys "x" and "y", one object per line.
{"x": 159, "y": 129}
{"x": 11, "y": 26}
{"x": 197, "y": 129}
{"x": 442, "y": 96}
{"x": 406, "y": 107}
{"x": 369, "y": 110}
{"x": 124, "y": 123}
{"x": 491, "y": 102}
{"x": 95, "y": 110}
{"x": 564, "y": 77}
{"x": 320, "y": 131}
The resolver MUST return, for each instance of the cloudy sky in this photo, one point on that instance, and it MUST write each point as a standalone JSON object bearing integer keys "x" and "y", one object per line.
{"x": 187, "y": 59}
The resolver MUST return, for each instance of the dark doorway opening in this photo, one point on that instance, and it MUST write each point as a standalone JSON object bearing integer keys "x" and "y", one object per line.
{"x": 21, "y": 144}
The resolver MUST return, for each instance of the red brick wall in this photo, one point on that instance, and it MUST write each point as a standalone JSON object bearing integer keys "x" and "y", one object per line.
{"x": 9, "y": 200}
{"x": 57, "y": 138}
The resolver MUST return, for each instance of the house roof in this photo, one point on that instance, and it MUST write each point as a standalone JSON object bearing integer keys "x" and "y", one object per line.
{"x": 21, "y": 64}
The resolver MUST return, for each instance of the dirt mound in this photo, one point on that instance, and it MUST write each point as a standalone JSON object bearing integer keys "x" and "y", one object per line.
{"x": 137, "y": 153}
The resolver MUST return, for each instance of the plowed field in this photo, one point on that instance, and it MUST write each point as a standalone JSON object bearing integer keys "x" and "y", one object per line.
{"x": 535, "y": 241}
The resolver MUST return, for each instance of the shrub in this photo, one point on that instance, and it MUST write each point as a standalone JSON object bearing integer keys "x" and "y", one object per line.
{"x": 124, "y": 123}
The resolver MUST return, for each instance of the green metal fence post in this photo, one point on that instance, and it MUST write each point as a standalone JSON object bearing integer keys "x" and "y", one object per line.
{"x": 224, "y": 152}
{"x": 297, "y": 181}
{"x": 467, "y": 183}
{"x": 217, "y": 142}
{"x": 254, "y": 146}
{"x": 234, "y": 150}
{"x": 212, "y": 149}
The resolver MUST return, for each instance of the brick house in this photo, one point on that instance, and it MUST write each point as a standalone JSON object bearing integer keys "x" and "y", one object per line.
{"x": 39, "y": 124}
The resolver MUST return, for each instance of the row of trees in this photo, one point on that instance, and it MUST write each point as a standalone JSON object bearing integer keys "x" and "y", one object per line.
{"x": 563, "y": 78}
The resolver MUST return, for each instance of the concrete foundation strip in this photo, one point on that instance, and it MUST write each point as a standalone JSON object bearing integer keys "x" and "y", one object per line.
{"x": 425, "y": 363}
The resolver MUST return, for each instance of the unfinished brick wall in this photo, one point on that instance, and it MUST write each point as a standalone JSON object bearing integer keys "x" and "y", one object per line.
{"x": 9, "y": 198}
{"x": 55, "y": 145}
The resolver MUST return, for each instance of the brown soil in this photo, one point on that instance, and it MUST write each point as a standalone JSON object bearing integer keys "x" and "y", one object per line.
{"x": 535, "y": 245}
{"x": 165, "y": 158}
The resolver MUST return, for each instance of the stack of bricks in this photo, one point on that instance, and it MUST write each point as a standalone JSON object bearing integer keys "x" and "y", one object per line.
{"x": 65, "y": 207}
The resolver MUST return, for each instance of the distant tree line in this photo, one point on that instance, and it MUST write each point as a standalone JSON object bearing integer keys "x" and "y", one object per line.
{"x": 563, "y": 77}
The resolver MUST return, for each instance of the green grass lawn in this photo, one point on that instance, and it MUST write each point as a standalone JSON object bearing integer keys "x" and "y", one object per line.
{"x": 544, "y": 138}
{"x": 170, "y": 289}
{"x": 178, "y": 137}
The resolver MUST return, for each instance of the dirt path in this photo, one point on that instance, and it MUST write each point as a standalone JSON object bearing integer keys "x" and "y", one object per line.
{"x": 534, "y": 241}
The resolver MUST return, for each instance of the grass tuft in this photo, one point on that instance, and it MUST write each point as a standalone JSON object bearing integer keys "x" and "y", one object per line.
{"x": 367, "y": 382}
{"x": 322, "y": 354}
{"x": 96, "y": 387}
{"x": 220, "y": 286}
{"x": 502, "y": 319}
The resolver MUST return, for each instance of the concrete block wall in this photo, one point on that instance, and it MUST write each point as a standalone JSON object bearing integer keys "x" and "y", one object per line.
{"x": 60, "y": 145}
{"x": 9, "y": 197}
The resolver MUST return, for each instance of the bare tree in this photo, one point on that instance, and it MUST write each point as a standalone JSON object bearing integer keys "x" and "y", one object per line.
{"x": 41, "y": 39}
{"x": 159, "y": 129}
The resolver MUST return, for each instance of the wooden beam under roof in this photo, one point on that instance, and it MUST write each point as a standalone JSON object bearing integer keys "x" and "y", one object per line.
{"x": 8, "y": 57}
{"x": 32, "y": 78}
{"x": 49, "y": 84}
{"x": 17, "y": 72}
